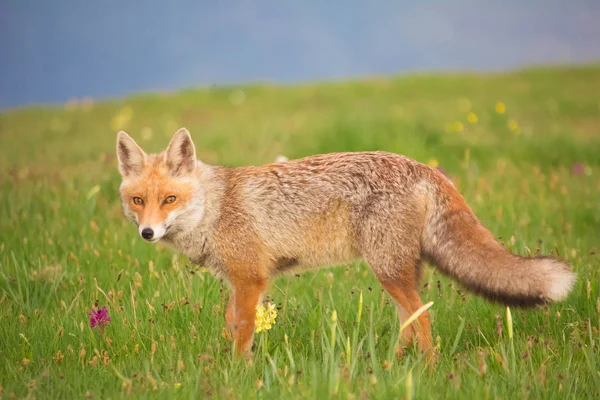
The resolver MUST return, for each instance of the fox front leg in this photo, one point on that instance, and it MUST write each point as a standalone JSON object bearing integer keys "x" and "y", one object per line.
{"x": 241, "y": 313}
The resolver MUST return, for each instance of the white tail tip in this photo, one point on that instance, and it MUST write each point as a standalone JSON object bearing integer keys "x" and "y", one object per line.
{"x": 561, "y": 280}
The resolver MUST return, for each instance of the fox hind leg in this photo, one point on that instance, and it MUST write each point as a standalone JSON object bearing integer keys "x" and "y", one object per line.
{"x": 399, "y": 277}
{"x": 403, "y": 291}
{"x": 390, "y": 242}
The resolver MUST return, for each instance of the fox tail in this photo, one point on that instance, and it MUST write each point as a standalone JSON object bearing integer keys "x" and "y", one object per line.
{"x": 460, "y": 246}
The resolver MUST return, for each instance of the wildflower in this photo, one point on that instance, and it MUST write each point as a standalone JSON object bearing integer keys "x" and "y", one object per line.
{"x": 120, "y": 120}
{"x": 265, "y": 317}
{"x": 577, "y": 169}
{"x": 433, "y": 163}
{"x": 472, "y": 118}
{"x": 456, "y": 126}
{"x": 500, "y": 107}
{"x": 442, "y": 170}
{"x": 99, "y": 317}
{"x": 513, "y": 125}
{"x": 281, "y": 158}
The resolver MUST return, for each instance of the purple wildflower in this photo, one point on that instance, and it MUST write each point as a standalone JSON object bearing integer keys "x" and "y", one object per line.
{"x": 577, "y": 169}
{"x": 99, "y": 317}
{"x": 442, "y": 170}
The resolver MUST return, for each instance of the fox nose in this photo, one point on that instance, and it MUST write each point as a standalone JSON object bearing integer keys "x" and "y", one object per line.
{"x": 147, "y": 233}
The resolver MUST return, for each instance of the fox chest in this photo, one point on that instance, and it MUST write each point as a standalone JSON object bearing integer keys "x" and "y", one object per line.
{"x": 200, "y": 252}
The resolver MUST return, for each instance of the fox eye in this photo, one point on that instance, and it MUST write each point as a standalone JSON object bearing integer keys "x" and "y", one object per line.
{"x": 170, "y": 200}
{"x": 138, "y": 201}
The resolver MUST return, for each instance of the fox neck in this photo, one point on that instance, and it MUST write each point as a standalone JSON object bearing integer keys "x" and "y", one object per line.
{"x": 190, "y": 240}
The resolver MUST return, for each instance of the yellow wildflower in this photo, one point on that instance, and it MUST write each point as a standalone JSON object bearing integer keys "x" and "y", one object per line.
{"x": 120, "y": 120}
{"x": 472, "y": 118}
{"x": 265, "y": 317}
{"x": 456, "y": 126}
{"x": 433, "y": 163}
{"x": 500, "y": 107}
{"x": 513, "y": 125}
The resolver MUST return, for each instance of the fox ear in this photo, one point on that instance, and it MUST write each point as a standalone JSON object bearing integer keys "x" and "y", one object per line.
{"x": 180, "y": 155}
{"x": 131, "y": 157}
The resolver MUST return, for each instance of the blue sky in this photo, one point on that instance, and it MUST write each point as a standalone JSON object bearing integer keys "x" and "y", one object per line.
{"x": 53, "y": 50}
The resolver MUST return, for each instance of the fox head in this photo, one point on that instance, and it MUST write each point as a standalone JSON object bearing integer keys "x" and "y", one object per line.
{"x": 161, "y": 193}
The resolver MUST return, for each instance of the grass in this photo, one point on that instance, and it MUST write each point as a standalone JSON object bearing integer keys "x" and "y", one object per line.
{"x": 64, "y": 245}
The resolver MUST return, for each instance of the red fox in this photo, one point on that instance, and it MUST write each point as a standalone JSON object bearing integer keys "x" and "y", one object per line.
{"x": 249, "y": 224}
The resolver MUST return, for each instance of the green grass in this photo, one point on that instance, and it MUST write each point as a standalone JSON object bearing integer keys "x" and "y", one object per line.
{"x": 64, "y": 245}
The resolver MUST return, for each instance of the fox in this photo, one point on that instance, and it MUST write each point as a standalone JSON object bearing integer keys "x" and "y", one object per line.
{"x": 251, "y": 224}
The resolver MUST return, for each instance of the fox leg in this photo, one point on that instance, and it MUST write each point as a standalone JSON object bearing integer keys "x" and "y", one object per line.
{"x": 241, "y": 312}
{"x": 391, "y": 246}
{"x": 403, "y": 291}
{"x": 399, "y": 279}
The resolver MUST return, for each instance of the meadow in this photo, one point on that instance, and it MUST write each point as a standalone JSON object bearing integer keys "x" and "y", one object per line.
{"x": 523, "y": 148}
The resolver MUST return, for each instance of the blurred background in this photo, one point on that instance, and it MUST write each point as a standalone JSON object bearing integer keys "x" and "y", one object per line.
{"x": 501, "y": 96}
{"x": 53, "y": 51}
